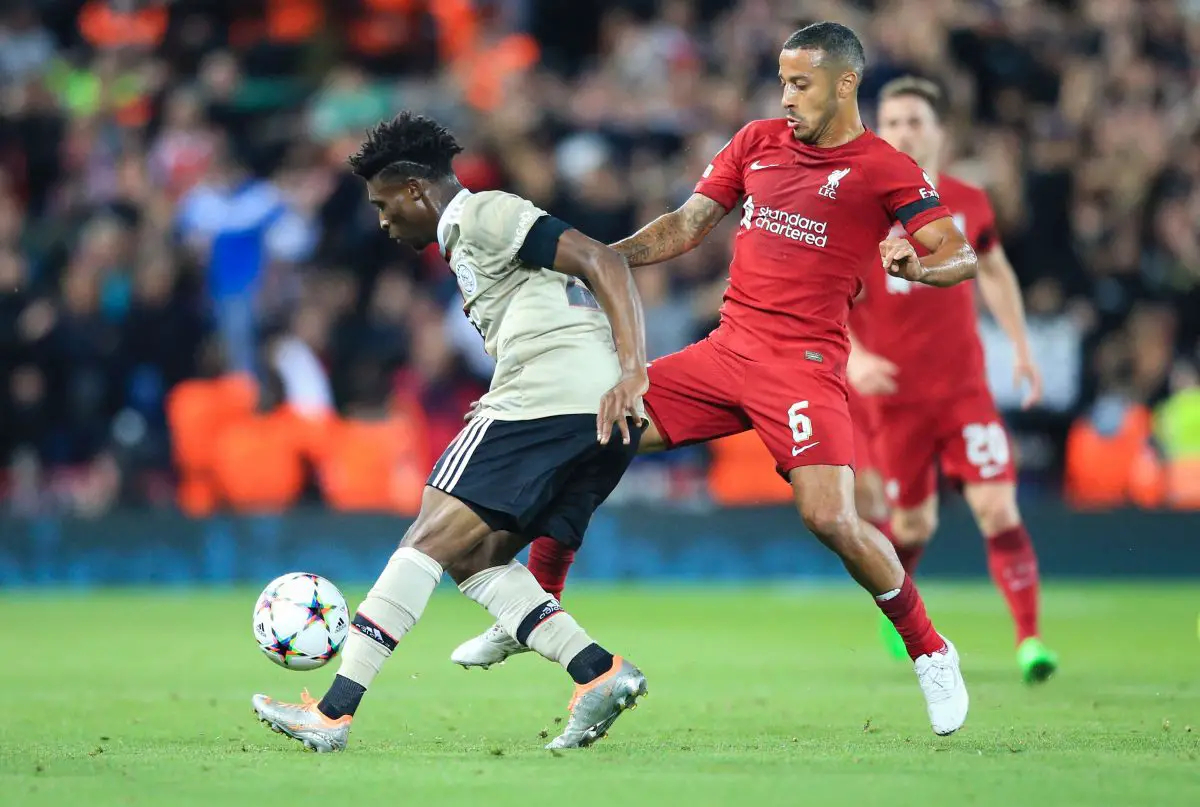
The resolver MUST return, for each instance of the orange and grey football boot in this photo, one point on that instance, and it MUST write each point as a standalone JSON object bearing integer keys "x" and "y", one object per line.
{"x": 598, "y": 704}
{"x": 303, "y": 722}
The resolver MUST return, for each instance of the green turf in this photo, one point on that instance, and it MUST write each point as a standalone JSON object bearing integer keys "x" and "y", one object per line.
{"x": 774, "y": 697}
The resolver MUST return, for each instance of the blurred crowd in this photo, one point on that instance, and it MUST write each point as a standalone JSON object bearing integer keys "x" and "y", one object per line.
{"x": 195, "y": 296}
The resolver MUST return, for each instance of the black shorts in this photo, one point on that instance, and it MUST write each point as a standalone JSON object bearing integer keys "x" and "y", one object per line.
{"x": 534, "y": 477}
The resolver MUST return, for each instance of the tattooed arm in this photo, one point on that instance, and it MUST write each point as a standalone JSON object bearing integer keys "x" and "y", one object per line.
{"x": 673, "y": 234}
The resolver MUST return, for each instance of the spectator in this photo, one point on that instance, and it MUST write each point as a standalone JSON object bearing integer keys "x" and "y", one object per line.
{"x": 235, "y": 225}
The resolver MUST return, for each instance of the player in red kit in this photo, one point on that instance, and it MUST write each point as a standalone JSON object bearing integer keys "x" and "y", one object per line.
{"x": 919, "y": 361}
{"x": 818, "y": 196}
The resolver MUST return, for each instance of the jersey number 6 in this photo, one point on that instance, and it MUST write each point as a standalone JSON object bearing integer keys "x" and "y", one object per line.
{"x": 801, "y": 423}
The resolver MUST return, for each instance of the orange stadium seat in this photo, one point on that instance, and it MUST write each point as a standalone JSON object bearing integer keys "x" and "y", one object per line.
{"x": 258, "y": 464}
{"x": 197, "y": 410}
{"x": 1100, "y": 468}
{"x": 373, "y": 466}
{"x": 743, "y": 473}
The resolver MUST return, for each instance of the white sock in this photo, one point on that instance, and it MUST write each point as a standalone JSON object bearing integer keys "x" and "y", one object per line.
{"x": 392, "y": 607}
{"x": 512, "y": 595}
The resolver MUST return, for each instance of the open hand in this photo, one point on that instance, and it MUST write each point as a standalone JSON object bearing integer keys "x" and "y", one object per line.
{"x": 1025, "y": 374}
{"x": 620, "y": 403}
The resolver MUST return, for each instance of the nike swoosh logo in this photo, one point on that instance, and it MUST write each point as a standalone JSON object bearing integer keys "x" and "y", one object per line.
{"x": 988, "y": 471}
{"x": 798, "y": 450}
{"x": 757, "y": 166}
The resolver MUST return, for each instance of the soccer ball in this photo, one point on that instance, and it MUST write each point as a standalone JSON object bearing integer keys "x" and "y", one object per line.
{"x": 301, "y": 621}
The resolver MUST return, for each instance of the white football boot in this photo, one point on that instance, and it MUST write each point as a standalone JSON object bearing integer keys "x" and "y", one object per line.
{"x": 944, "y": 689}
{"x": 493, "y": 646}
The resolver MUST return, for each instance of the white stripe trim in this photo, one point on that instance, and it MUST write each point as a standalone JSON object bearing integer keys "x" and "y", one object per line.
{"x": 456, "y": 449}
{"x": 462, "y": 466}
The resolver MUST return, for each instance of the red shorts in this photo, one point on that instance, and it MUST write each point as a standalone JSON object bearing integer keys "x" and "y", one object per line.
{"x": 964, "y": 435}
{"x": 862, "y": 414}
{"x": 798, "y": 408}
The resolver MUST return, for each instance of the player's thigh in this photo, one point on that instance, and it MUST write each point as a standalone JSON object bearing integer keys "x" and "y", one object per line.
{"x": 802, "y": 417}
{"x": 693, "y": 398}
{"x": 587, "y": 486}
{"x": 976, "y": 448}
{"x": 870, "y": 495}
{"x": 446, "y": 528}
{"x": 906, "y": 445}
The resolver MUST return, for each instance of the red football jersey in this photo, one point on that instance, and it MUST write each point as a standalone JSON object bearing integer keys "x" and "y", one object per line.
{"x": 812, "y": 219}
{"x": 931, "y": 334}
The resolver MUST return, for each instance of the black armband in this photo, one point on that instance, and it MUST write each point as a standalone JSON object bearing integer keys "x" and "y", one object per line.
{"x": 541, "y": 242}
{"x": 908, "y": 212}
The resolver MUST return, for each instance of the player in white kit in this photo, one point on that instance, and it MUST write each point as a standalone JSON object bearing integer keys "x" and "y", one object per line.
{"x": 560, "y": 314}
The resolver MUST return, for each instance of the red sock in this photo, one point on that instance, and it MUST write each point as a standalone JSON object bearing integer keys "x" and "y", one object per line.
{"x": 549, "y": 561}
{"x": 907, "y": 612}
{"x": 909, "y": 556}
{"x": 1013, "y": 565}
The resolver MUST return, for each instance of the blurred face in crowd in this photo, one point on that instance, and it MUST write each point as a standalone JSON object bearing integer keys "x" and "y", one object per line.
{"x": 909, "y": 124}
{"x": 814, "y": 92}
{"x": 406, "y": 213}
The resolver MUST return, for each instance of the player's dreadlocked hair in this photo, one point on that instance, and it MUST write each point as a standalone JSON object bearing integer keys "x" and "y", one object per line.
{"x": 838, "y": 42}
{"x": 915, "y": 87}
{"x": 407, "y": 146}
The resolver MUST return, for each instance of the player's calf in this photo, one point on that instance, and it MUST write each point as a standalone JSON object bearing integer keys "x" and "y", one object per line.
{"x": 1013, "y": 565}
{"x": 605, "y": 685}
{"x": 549, "y": 562}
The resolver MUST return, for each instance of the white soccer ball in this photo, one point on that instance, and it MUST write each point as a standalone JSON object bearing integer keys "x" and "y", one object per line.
{"x": 301, "y": 621}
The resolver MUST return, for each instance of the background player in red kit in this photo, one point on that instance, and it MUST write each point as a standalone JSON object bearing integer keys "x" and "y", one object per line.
{"x": 819, "y": 194}
{"x": 919, "y": 359}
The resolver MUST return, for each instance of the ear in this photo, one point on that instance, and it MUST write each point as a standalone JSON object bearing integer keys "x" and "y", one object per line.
{"x": 847, "y": 84}
{"x": 414, "y": 189}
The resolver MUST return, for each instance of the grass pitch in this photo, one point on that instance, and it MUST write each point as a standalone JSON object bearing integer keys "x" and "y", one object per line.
{"x": 765, "y": 697}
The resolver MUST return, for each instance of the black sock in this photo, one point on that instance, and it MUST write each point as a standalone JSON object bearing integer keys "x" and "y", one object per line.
{"x": 590, "y": 663}
{"x": 342, "y": 698}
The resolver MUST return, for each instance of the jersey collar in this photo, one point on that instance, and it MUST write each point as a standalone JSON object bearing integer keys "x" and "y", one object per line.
{"x": 449, "y": 217}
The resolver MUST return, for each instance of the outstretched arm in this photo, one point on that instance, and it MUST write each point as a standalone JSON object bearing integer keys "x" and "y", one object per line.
{"x": 672, "y": 234}
{"x": 608, "y": 276}
{"x": 1002, "y": 295}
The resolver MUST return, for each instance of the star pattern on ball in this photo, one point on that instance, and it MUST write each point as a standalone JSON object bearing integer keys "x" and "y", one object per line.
{"x": 282, "y": 646}
{"x": 317, "y": 611}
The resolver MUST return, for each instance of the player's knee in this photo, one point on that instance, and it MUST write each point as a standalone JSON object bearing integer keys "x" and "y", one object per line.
{"x": 914, "y": 527}
{"x": 995, "y": 510}
{"x": 435, "y": 534}
{"x": 425, "y": 537}
{"x": 834, "y": 524}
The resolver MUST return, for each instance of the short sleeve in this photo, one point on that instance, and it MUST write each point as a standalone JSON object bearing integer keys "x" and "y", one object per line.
{"x": 907, "y": 192}
{"x": 499, "y": 222}
{"x": 722, "y": 179}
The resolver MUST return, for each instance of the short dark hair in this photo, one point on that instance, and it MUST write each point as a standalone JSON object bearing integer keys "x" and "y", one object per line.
{"x": 836, "y": 40}
{"x": 916, "y": 87}
{"x": 407, "y": 146}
